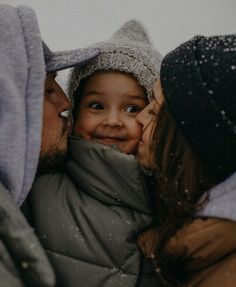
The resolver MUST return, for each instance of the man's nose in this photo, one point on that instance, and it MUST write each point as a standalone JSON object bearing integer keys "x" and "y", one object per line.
{"x": 63, "y": 102}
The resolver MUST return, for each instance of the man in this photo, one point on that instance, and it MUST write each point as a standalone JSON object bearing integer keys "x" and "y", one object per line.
{"x": 56, "y": 126}
{"x": 22, "y": 75}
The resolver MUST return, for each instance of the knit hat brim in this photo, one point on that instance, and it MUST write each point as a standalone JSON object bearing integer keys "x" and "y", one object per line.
{"x": 56, "y": 61}
{"x": 128, "y": 50}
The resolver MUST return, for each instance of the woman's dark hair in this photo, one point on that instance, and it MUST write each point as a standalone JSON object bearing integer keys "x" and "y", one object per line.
{"x": 181, "y": 179}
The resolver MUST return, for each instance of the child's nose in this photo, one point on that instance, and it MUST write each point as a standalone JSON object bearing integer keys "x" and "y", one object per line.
{"x": 113, "y": 119}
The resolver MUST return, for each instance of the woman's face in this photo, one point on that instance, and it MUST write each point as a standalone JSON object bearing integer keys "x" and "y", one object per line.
{"x": 147, "y": 118}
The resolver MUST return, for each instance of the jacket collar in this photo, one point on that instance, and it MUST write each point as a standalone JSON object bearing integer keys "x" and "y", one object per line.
{"x": 107, "y": 174}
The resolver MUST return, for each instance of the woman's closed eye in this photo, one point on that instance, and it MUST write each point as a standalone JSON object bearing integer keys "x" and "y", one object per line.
{"x": 153, "y": 109}
{"x": 152, "y": 112}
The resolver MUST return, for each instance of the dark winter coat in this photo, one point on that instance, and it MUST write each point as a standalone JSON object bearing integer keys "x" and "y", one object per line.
{"x": 211, "y": 251}
{"x": 205, "y": 249}
{"x": 88, "y": 218}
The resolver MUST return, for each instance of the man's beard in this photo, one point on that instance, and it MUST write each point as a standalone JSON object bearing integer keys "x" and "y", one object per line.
{"x": 53, "y": 161}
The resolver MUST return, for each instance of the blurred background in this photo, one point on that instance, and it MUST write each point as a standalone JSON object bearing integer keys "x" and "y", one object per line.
{"x": 67, "y": 24}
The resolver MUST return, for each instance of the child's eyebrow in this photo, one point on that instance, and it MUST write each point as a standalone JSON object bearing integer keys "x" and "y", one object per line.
{"x": 92, "y": 93}
{"x": 138, "y": 97}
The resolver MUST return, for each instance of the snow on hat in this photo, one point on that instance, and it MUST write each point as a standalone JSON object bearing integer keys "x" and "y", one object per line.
{"x": 128, "y": 50}
{"x": 199, "y": 84}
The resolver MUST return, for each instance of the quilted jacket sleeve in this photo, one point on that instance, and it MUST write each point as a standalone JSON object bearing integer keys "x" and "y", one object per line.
{"x": 23, "y": 261}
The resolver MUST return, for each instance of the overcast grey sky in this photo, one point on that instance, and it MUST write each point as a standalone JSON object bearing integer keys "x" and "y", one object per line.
{"x": 67, "y": 24}
{"x": 78, "y": 23}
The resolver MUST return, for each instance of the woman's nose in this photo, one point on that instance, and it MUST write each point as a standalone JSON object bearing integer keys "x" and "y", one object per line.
{"x": 141, "y": 116}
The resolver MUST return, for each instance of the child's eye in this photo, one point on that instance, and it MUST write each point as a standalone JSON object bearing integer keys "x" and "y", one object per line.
{"x": 96, "y": 106}
{"x": 133, "y": 109}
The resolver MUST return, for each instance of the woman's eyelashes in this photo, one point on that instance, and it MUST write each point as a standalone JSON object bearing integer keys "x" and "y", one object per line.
{"x": 153, "y": 110}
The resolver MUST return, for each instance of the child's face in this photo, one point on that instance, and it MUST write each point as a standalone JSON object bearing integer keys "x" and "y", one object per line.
{"x": 108, "y": 108}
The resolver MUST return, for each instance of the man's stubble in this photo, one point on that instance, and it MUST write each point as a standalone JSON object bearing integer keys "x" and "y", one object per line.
{"x": 55, "y": 158}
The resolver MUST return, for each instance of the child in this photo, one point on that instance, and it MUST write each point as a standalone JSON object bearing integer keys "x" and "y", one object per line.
{"x": 88, "y": 217}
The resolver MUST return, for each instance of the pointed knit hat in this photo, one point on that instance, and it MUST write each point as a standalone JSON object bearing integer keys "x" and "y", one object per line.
{"x": 129, "y": 50}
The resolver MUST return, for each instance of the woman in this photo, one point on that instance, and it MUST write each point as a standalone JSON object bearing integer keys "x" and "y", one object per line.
{"x": 189, "y": 141}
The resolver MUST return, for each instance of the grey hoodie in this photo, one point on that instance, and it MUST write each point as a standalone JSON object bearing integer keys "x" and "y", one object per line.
{"x": 22, "y": 76}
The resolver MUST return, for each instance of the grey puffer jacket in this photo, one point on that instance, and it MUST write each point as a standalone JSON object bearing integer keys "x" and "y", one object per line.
{"x": 22, "y": 76}
{"x": 88, "y": 218}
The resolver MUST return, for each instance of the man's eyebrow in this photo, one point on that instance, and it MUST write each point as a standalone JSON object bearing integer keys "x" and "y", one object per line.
{"x": 53, "y": 74}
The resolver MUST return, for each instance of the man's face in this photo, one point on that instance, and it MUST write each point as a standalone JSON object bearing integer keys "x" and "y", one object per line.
{"x": 56, "y": 125}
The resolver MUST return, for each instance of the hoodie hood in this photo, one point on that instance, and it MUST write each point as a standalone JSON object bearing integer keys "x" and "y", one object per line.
{"x": 22, "y": 78}
{"x": 24, "y": 59}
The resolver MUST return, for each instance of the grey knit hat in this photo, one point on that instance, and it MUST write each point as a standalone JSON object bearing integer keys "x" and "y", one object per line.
{"x": 128, "y": 50}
